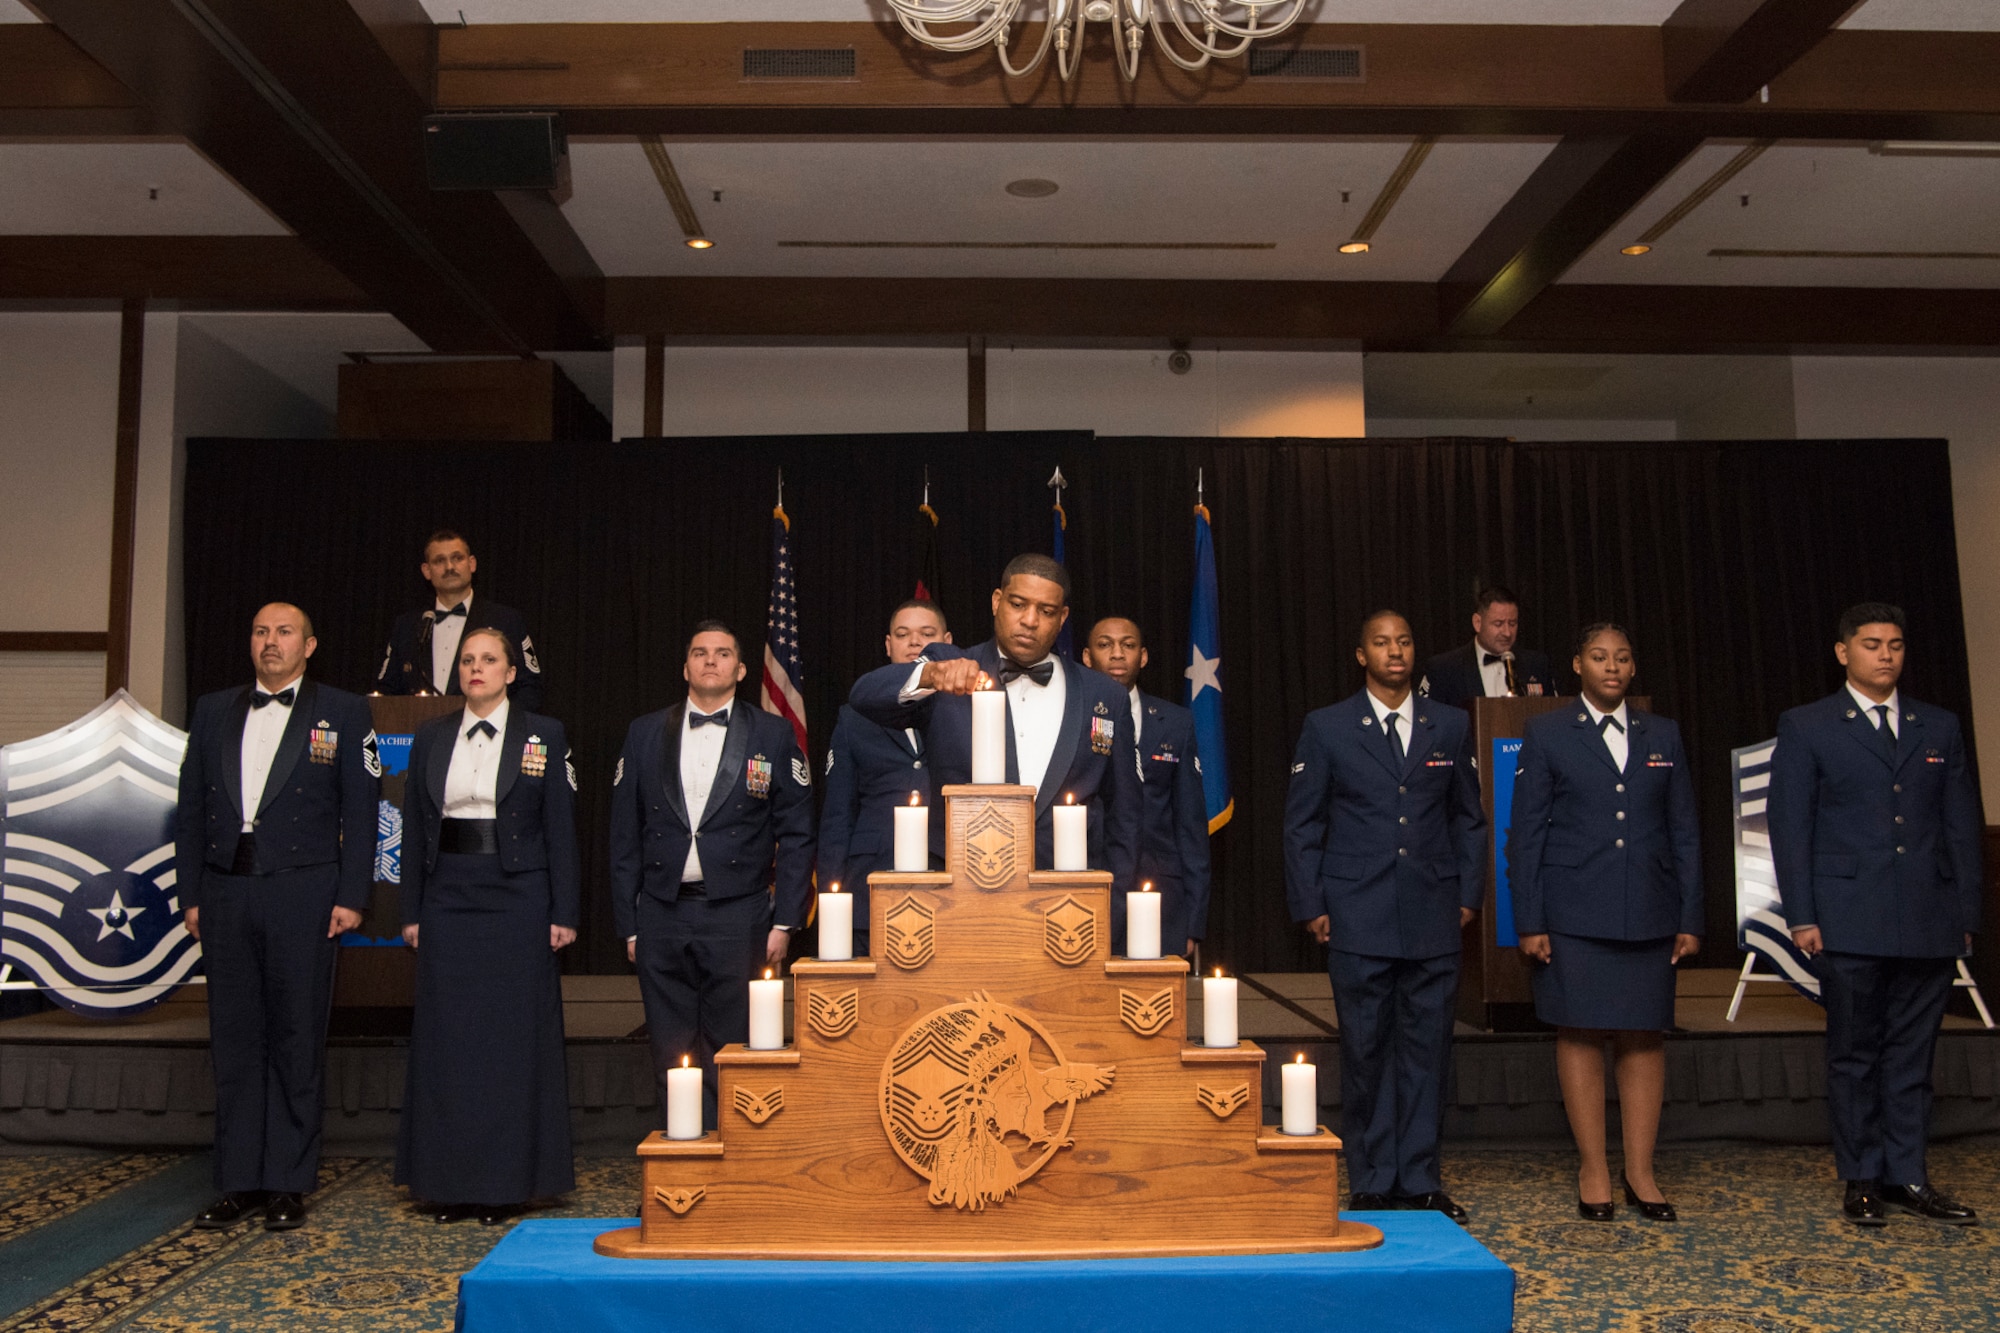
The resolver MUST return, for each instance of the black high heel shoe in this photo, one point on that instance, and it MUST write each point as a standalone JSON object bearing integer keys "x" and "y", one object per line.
{"x": 1596, "y": 1212}
{"x": 1652, "y": 1212}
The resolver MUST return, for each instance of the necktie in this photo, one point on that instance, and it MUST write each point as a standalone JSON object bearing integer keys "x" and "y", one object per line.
{"x": 1395, "y": 741}
{"x": 1888, "y": 737}
{"x": 1041, "y": 673}
{"x": 720, "y": 717}
{"x": 1609, "y": 721}
{"x": 480, "y": 728}
{"x": 284, "y": 697}
{"x": 458, "y": 610}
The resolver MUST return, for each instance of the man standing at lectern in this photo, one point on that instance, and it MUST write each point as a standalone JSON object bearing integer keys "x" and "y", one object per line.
{"x": 422, "y": 654}
{"x": 1490, "y": 667}
{"x": 1067, "y": 725}
{"x": 1384, "y": 864}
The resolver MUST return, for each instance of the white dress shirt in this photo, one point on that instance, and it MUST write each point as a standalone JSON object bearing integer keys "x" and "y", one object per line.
{"x": 1035, "y": 712}
{"x": 1492, "y": 675}
{"x": 1138, "y": 747}
{"x": 1868, "y": 706}
{"x": 262, "y": 730}
{"x": 1617, "y": 739}
{"x": 1406, "y": 716}
{"x": 701, "y": 754}
{"x": 471, "y": 784}
{"x": 445, "y": 636}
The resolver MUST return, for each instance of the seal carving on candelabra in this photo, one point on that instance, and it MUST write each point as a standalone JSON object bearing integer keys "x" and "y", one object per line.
{"x": 968, "y": 1106}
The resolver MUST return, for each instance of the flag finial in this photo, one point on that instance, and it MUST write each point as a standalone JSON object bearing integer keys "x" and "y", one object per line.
{"x": 1057, "y": 482}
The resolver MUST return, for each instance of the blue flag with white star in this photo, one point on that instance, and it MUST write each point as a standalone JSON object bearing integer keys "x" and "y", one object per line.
{"x": 1204, "y": 678}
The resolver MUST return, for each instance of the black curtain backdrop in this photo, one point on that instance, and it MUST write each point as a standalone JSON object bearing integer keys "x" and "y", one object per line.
{"x": 1729, "y": 561}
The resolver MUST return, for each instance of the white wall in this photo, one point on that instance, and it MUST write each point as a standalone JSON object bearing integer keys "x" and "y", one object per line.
{"x": 803, "y": 390}
{"x": 1957, "y": 398}
{"x": 1620, "y": 428}
{"x": 1224, "y": 393}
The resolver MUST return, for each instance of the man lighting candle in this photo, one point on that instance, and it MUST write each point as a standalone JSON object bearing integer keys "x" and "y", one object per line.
{"x": 1065, "y": 723}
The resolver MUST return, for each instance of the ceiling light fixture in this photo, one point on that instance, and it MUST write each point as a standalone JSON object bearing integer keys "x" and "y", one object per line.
{"x": 1226, "y": 28}
{"x": 1032, "y": 188}
{"x": 700, "y": 243}
{"x": 1636, "y": 250}
{"x": 1355, "y": 248}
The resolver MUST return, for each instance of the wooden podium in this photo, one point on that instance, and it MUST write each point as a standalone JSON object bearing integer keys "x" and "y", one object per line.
{"x": 991, "y": 1085}
{"x": 1493, "y": 990}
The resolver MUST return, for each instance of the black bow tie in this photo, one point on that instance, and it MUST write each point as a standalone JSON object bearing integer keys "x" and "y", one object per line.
{"x": 1491, "y": 658}
{"x": 481, "y": 728}
{"x": 720, "y": 717}
{"x": 1041, "y": 673}
{"x": 285, "y": 696}
{"x": 458, "y": 610}
{"x": 1609, "y": 721}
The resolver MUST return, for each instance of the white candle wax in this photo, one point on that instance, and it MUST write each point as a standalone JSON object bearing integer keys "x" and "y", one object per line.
{"x": 1301, "y": 1099}
{"x": 913, "y": 838}
{"x": 836, "y": 927}
{"x": 1218, "y": 1011}
{"x": 1072, "y": 829}
{"x": 767, "y": 1014}
{"x": 989, "y": 736}
{"x": 684, "y": 1103}
{"x": 1142, "y": 924}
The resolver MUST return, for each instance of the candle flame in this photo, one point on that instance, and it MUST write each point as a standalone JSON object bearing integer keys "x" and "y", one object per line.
{"x": 1299, "y": 1059}
{"x": 831, "y": 888}
{"x": 914, "y": 800}
{"x": 1069, "y": 798}
{"x": 1218, "y": 974}
{"x": 1146, "y": 887}
{"x": 767, "y": 974}
{"x": 684, "y": 1062}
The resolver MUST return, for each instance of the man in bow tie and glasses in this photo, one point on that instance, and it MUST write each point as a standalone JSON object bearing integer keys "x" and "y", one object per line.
{"x": 1493, "y": 665}
{"x": 422, "y": 654}
{"x": 274, "y": 857}
{"x": 1067, "y": 724}
{"x": 711, "y": 806}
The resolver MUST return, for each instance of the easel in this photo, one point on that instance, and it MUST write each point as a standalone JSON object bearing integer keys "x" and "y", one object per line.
{"x": 1750, "y": 974}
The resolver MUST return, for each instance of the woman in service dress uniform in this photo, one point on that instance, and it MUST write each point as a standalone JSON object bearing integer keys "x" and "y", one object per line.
{"x": 489, "y": 893}
{"x": 1604, "y": 865}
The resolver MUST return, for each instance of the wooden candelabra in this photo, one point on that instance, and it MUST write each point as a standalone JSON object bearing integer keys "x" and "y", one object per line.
{"x": 991, "y": 1084}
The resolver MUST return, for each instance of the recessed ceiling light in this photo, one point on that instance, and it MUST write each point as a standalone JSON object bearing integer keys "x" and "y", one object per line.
{"x": 1636, "y": 250}
{"x": 1355, "y": 248}
{"x": 1033, "y": 187}
{"x": 700, "y": 243}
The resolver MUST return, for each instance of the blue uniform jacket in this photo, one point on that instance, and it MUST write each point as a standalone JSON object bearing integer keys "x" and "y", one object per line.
{"x": 759, "y": 821}
{"x": 1389, "y": 856}
{"x": 1173, "y": 840}
{"x": 318, "y": 806}
{"x": 1079, "y": 765}
{"x": 870, "y": 770}
{"x": 1882, "y": 855}
{"x": 1597, "y": 852}
{"x": 406, "y": 661}
{"x": 536, "y": 807}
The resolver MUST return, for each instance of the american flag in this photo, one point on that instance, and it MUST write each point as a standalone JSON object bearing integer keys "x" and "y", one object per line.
{"x": 783, "y": 671}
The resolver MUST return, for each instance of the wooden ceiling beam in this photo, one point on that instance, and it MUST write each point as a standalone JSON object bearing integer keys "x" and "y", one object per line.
{"x": 1725, "y": 50}
{"x": 50, "y": 89}
{"x": 251, "y": 272}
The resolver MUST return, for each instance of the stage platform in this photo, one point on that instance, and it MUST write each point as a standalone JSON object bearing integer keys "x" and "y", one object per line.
{"x": 1428, "y": 1274}
{"x": 145, "y": 1081}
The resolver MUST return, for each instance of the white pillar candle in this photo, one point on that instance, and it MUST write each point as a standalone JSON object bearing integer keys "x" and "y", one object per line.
{"x": 1072, "y": 828}
{"x": 767, "y": 1013}
{"x": 1218, "y": 1010}
{"x": 1142, "y": 920}
{"x": 684, "y": 1102}
{"x": 989, "y": 736}
{"x": 1301, "y": 1099}
{"x": 836, "y": 926}
{"x": 913, "y": 836}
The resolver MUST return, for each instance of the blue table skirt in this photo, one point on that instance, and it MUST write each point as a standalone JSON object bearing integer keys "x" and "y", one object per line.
{"x": 1428, "y": 1274}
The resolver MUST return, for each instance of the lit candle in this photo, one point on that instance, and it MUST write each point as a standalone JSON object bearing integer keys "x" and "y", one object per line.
{"x": 1218, "y": 1010}
{"x": 836, "y": 924}
{"x": 684, "y": 1102}
{"x": 913, "y": 836}
{"x": 1072, "y": 827}
{"x": 767, "y": 1013}
{"x": 989, "y": 736}
{"x": 1301, "y": 1100}
{"x": 1142, "y": 920}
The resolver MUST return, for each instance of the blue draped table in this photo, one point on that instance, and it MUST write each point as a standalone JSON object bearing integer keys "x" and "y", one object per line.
{"x": 1428, "y": 1274}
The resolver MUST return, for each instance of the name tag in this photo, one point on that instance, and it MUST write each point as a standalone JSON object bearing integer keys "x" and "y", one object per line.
{"x": 323, "y": 745}
{"x": 1101, "y": 734}
{"x": 757, "y": 777}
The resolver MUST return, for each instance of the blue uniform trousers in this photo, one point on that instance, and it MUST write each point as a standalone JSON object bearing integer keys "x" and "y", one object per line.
{"x": 1395, "y": 1053}
{"x": 1882, "y": 1017}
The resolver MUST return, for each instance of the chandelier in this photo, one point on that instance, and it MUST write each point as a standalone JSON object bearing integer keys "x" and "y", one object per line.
{"x": 1215, "y": 29}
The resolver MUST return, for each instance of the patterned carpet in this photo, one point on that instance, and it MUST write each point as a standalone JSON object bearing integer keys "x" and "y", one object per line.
{"x": 1761, "y": 1249}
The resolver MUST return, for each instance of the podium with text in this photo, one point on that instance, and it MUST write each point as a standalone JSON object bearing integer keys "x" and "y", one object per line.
{"x": 1493, "y": 989}
{"x": 992, "y": 1084}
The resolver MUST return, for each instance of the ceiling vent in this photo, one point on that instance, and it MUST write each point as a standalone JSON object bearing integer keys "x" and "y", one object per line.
{"x": 798, "y": 62}
{"x": 1327, "y": 64}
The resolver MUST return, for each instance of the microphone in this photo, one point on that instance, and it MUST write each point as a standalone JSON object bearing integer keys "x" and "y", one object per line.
{"x": 424, "y": 651}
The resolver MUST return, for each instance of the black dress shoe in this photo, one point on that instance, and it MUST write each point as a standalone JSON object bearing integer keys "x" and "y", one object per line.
{"x": 1437, "y": 1201}
{"x": 449, "y": 1212}
{"x": 1369, "y": 1203}
{"x": 493, "y": 1214}
{"x": 1927, "y": 1202}
{"x": 229, "y": 1210}
{"x": 285, "y": 1212}
{"x": 1652, "y": 1212}
{"x": 1862, "y": 1204}
{"x": 1596, "y": 1212}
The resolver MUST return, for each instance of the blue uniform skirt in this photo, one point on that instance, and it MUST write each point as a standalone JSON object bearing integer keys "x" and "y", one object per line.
{"x": 486, "y": 1102}
{"x": 1622, "y": 985}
